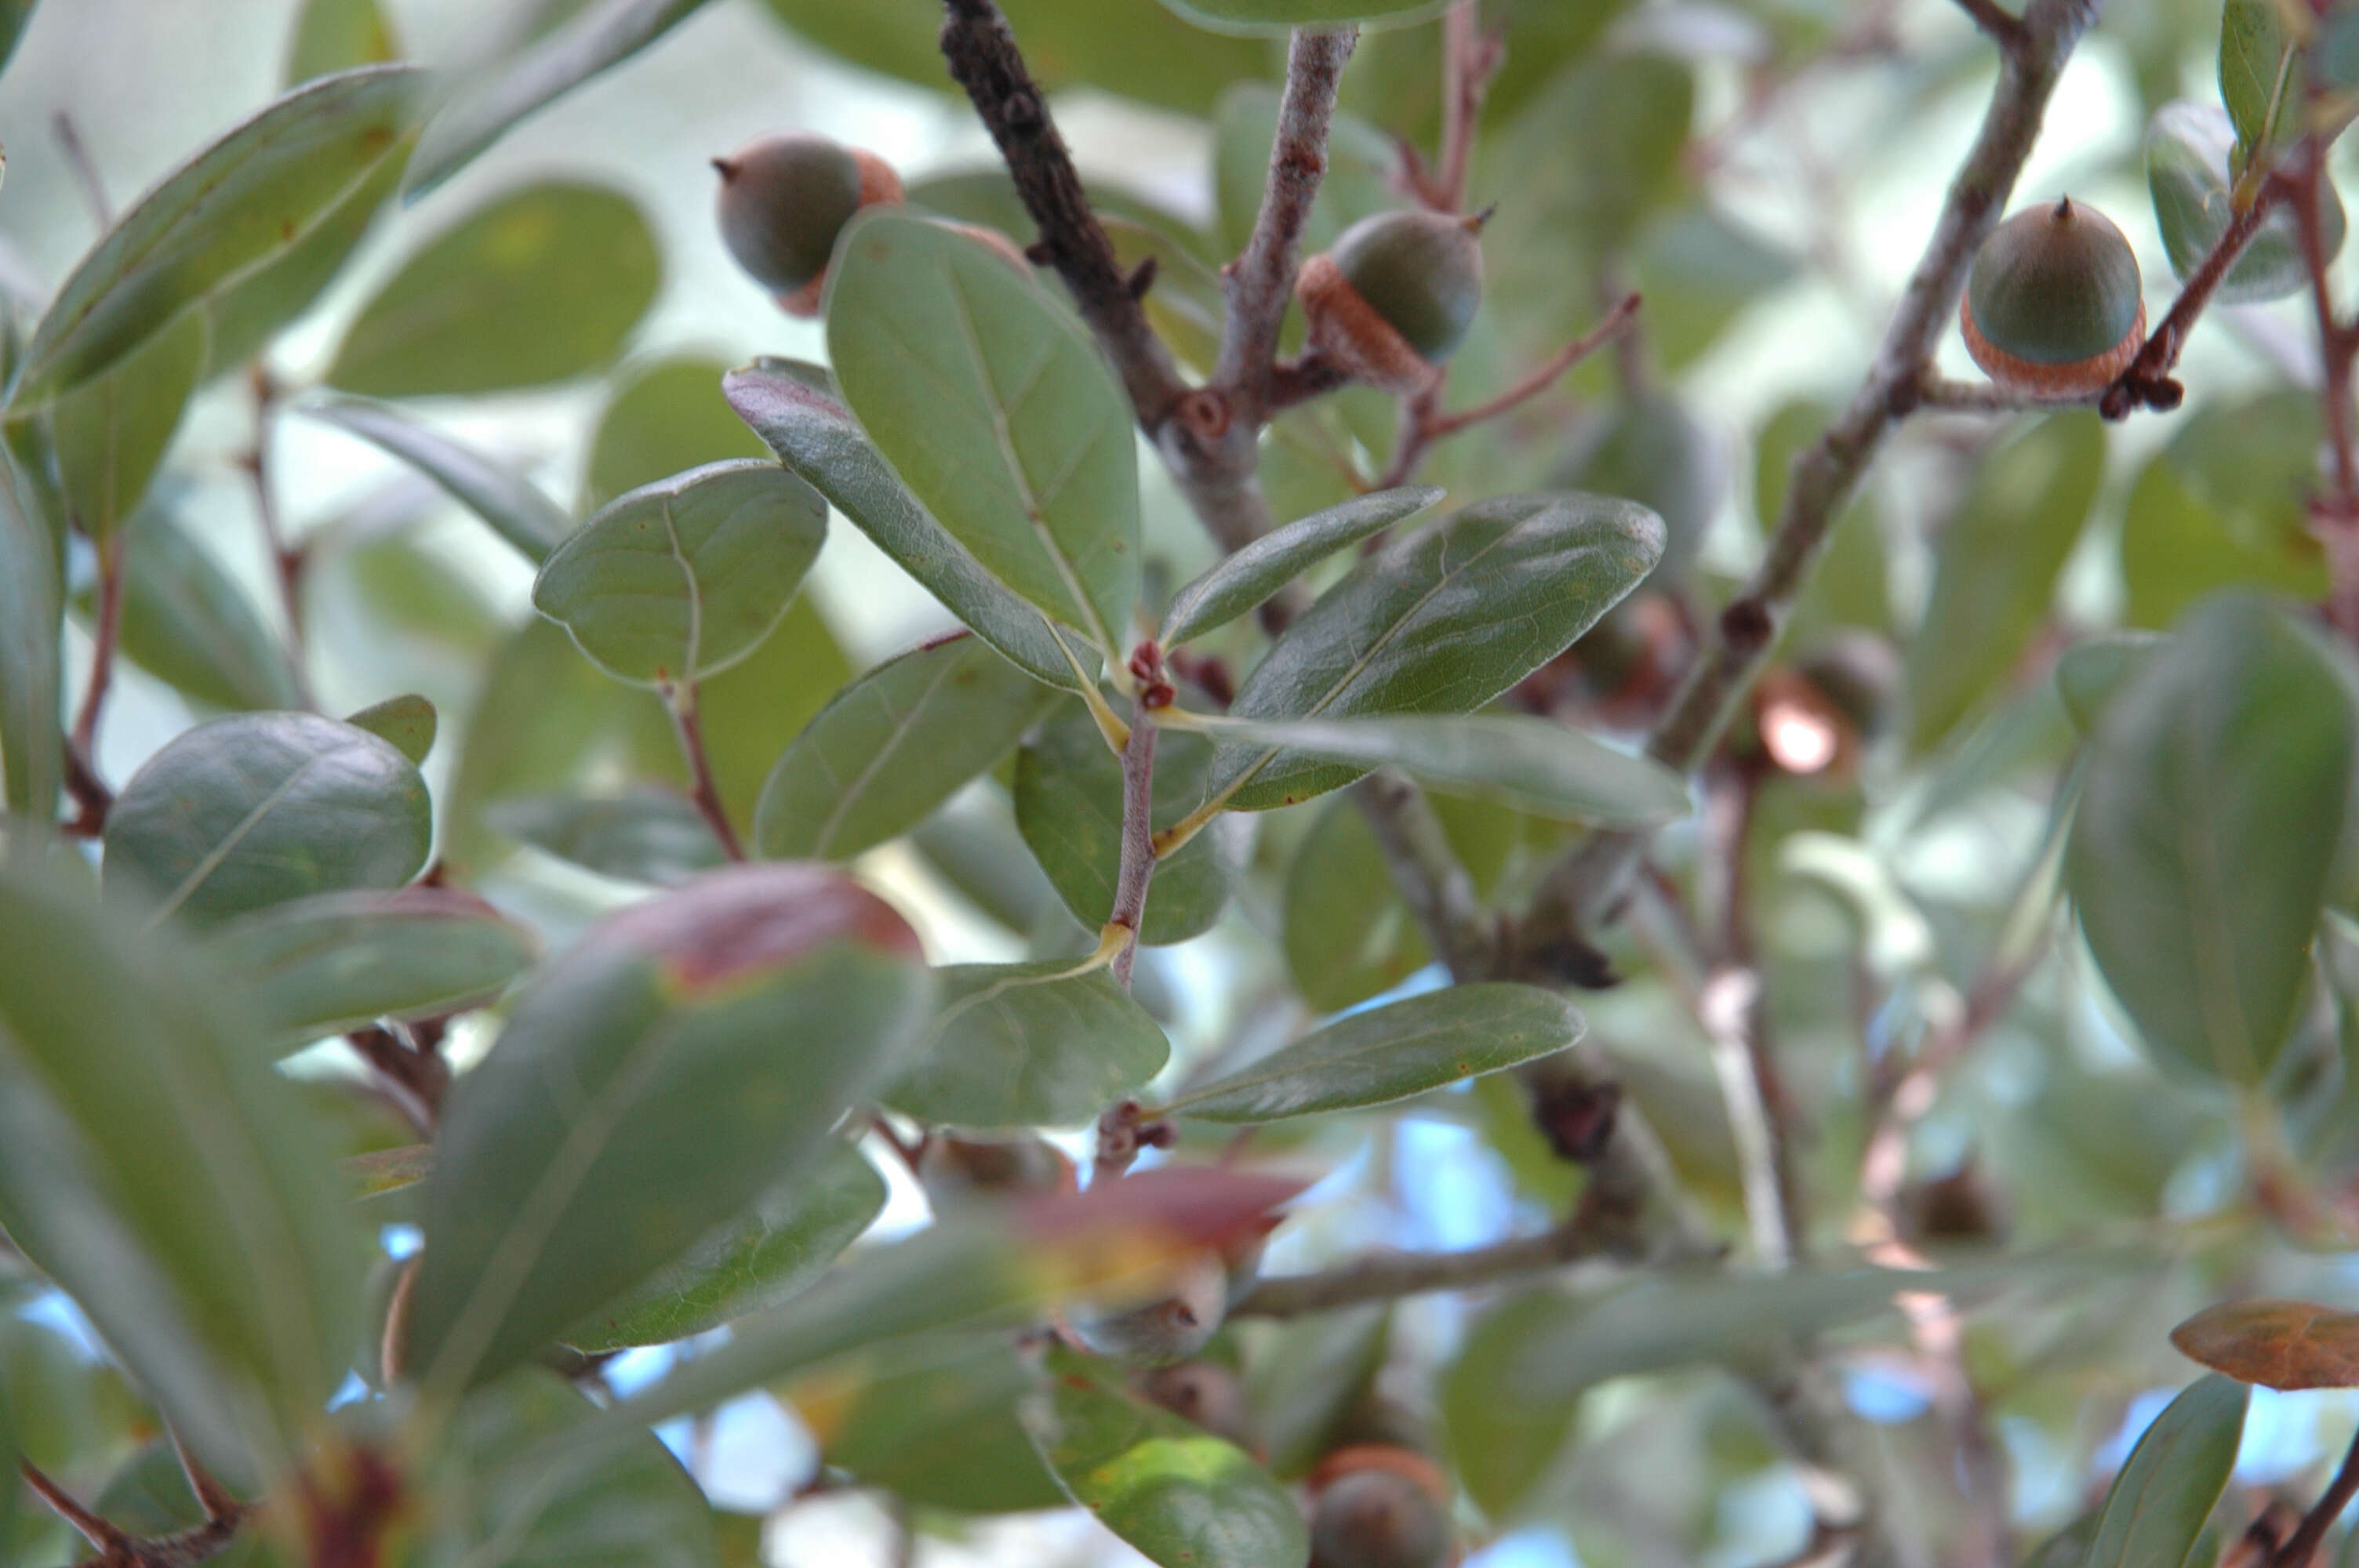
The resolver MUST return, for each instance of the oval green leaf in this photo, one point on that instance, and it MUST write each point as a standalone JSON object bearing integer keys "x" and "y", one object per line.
{"x": 754, "y": 1261}
{"x": 543, "y": 285}
{"x": 1348, "y": 935}
{"x": 663, "y": 417}
{"x": 515, "y": 508}
{"x": 934, "y": 1422}
{"x": 2188, "y": 149}
{"x": 111, "y": 432}
{"x": 249, "y": 313}
{"x": 815, "y": 438}
{"x": 690, "y": 1054}
{"x": 405, "y": 723}
{"x": 1996, "y": 568}
{"x": 995, "y": 408}
{"x": 680, "y": 580}
{"x": 1526, "y": 763}
{"x": 596, "y": 37}
{"x": 1182, "y": 1495}
{"x": 337, "y": 34}
{"x": 1442, "y": 620}
{"x": 2261, "y": 77}
{"x": 1028, "y": 1045}
{"x": 651, "y": 835}
{"x": 891, "y": 747}
{"x": 259, "y": 808}
{"x": 2089, "y": 671}
{"x": 242, "y": 203}
{"x": 32, "y": 610}
{"x": 153, "y": 1164}
{"x": 1240, "y": 582}
{"x": 499, "y": 1486}
{"x": 188, "y": 622}
{"x": 1069, "y": 808}
{"x": 1392, "y": 1053}
{"x": 2157, "y": 1505}
{"x": 2225, "y": 504}
{"x": 336, "y": 961}
{"x": 2216, "y": 777}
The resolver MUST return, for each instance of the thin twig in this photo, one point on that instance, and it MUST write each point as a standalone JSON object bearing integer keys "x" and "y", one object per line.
{"x": 287, "y": 562}
{"x": 1259, "y": 284}
{"x": 1581, "y": 888}
{"x": 1937, "y": 392}
{"x": 2304, "y": 1543}
{"x": 2005, "y": 28}
{"x": 1137, "y": 866}
{"x": 1423, "y": 423}
{"x": 1427, "y": 871}
{"x": 85, "y": 169}
{"x": 1609, "y": 327}
{"x": 983, "y": 59}
{"x": 1469, "y": 60}
{"x": 104, "y": 634}
{"x": 2148, "y": 382}
{"x": 679, "y": 701}
{"x": 1390, "y": 1276}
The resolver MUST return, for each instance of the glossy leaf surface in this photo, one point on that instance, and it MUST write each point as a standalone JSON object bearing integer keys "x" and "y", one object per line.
{"x": 242, "y": 203}
{"x": 1525, "y": 764}
{"x": 2214, "y": 775}
{"x": 1439, "y": 622}
{"x": 1028, "y": 1045}
{"x": 1171, "y": 1489}
{"x": 1242, "y": 580}
{"x": 815, "y": 438}
{"x": 993, "y": 405}
{"x": 2157, "y": 1506}
{"x": 338, "y": 960}
{"x": 684, "y": 1058}
{"x": 259, "y": 808}
{"x": 753, "y": 1262}
{"x": 543, "y": 285}
{"x": 891, "y": 747}
{"x": 680, "y": 580}
{"x": 1391, "y": 1053}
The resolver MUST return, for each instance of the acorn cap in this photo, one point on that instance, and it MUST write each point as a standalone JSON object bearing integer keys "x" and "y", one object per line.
{"x": 783, "y": 201}
{"x": 1422, "y": 272}
{"x": 2053, "y": 303}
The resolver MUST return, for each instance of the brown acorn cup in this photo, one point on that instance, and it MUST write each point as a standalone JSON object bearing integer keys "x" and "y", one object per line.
{"x": 878, "y": 185}
{"x": 2078, "y": 379}
{"x": 1406, "y": 1463}
{"x": 1347, "y": 330}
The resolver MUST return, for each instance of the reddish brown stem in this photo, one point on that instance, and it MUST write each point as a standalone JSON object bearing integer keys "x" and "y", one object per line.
{"x": 2147, "y": 384}
{"x": 2303, "y": 1544}
{"x": 85, "y": 736}
{"x": 1423, "y": 423}
{"x": 679, "y": 701}
{"x": 1137, "y": 869}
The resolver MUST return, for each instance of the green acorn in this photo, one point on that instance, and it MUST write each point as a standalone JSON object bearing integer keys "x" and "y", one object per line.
{"x": 1394, "y": 296}
{"x": 2053, "y": 307}
{"x": 1384, "y": 1510}
{"x": 785, "y": 199}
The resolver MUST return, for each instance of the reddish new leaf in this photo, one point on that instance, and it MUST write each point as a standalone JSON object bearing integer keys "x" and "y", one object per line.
{"x": 2277, "y": 1344}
